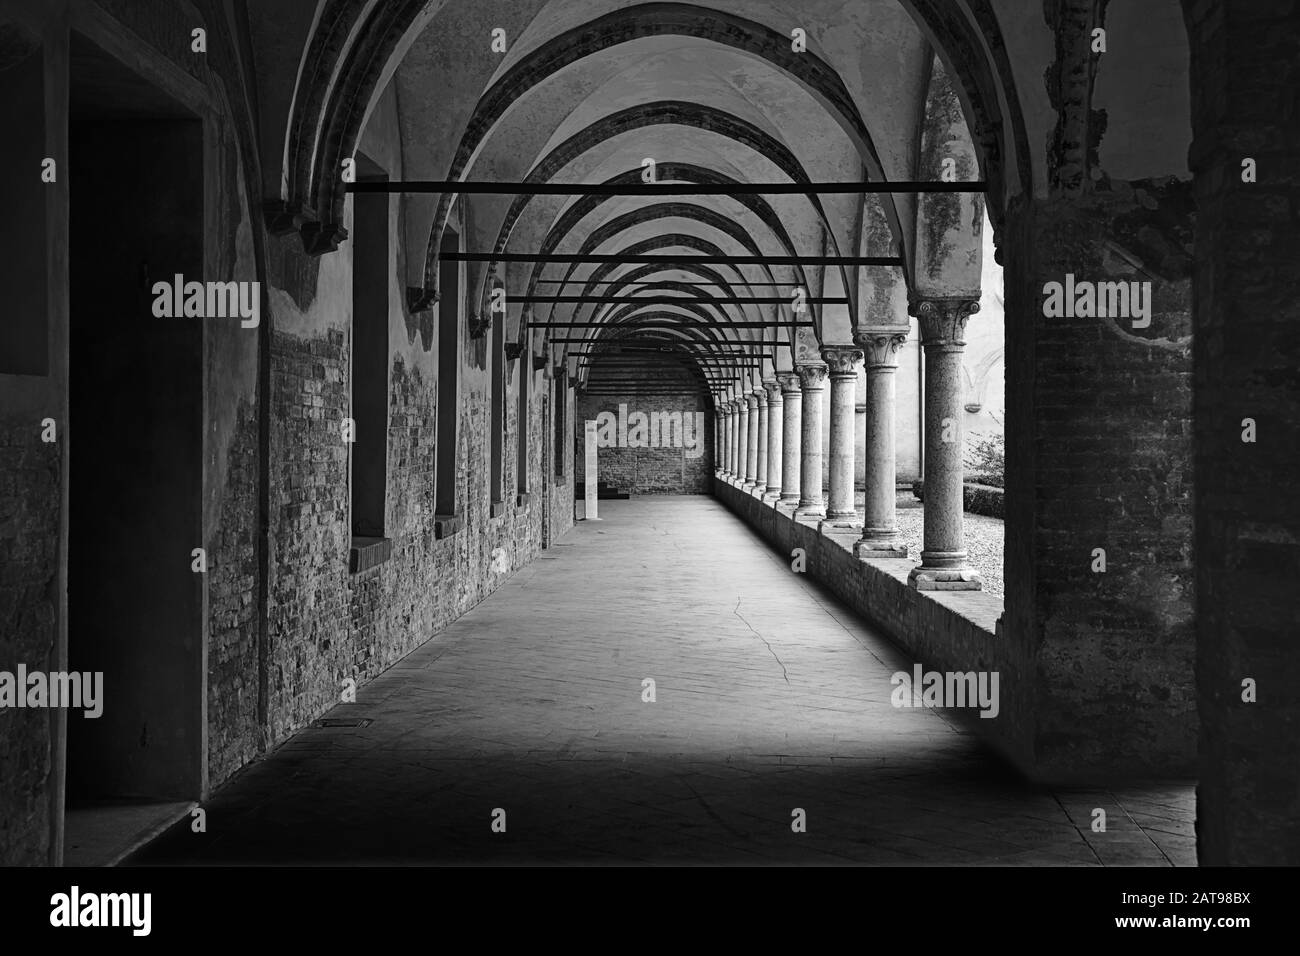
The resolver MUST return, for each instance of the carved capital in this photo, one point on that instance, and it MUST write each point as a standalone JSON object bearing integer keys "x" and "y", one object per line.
{"x": 811, "y": 376}
{"x": 750, "y": 401}
{"x": 789, "y": 382}
{"x": 539, "y": 362}
{"x": 880, "y": 346}
{"x": 760, "y": 396}
{"x": 514, "y": 350}
{"x": 842, "y": 360}
{"x": 478, "y": 326}
{"x": 943, "y": 321}
{"x": 773, "y": 389}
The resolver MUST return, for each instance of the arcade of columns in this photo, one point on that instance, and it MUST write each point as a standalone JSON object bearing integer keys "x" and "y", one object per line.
{"x": 769, "y": 442}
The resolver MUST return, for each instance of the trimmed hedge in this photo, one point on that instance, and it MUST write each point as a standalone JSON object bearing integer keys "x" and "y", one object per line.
{"x": 977, "y": 499}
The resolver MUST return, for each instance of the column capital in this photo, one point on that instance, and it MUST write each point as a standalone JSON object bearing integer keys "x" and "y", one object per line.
{"x": 880, "y": 346}
{"x": 811, "y": 376}
{"x": 842, "y": 360}
{"x": 773, "y": 392}
{"x": 760, "y": 396}
{"x": 789, "y": 382}
{"x": 750, "y": 401}
{"x": 942, "y": 320}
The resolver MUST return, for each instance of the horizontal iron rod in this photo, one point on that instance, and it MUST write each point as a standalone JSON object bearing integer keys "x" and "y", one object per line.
{"x": 674, "y": 300}
{"x": 660, "y": 282}
{"x": 556, "y": 258}
{"x": 663, "y": 189}
{"x": 660, "y": 325}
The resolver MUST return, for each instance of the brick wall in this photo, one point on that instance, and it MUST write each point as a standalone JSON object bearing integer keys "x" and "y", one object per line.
{"x": 1246, "y": 104}
{"x": 29, "y": 537}
{"x": 648, "y": 386}
{"x": 233, "y": 625}
{"x": 1099, "y": 456}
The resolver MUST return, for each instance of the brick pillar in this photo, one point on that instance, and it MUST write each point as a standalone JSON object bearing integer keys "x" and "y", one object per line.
{"x": 843, "y": 362}
{"x": 792, "y": 437}
{"x": 1245, "y": 353}
{"x": 751, "y": 438}
{"x": 944, "y": 561}
{"x": 812, "y": 382}
{"x": 775, "y": 425}
{"x": 879, "y": 523}
{"x": 760, "y": 467}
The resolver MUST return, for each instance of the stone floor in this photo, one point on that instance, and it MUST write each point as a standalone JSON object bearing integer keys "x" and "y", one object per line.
{"x": 770, "y": 697}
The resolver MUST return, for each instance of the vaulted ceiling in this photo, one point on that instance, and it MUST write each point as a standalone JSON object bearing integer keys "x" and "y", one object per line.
{"x": 723, "y": 95}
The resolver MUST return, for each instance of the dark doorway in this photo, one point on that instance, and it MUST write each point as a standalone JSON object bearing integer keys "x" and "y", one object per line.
{"x": 136, "y": 437}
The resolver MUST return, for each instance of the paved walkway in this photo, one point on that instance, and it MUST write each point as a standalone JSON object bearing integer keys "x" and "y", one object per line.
{"x": 770, "y": 696}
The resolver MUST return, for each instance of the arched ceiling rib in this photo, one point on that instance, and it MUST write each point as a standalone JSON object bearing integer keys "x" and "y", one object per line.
{"x": 715, "y": 95}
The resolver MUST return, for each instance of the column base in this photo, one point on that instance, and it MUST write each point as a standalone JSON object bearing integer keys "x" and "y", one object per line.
{"x": 789, "y": 498}
{"x": 810, "y": 510}
{"x": 875, "y": 548}
{"x": 840, "y": 522}
{"x": 944, "y": 579}
{"x": 771, "y": 495}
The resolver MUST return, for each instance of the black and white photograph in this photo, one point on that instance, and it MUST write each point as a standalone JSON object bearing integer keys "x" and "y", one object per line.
{"x": 604, "y": 434}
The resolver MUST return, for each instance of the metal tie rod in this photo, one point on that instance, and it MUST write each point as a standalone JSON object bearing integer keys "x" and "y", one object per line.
{"x": 673, "y": 300}
{"x": 616, "y": 259}
{"x": 663, "y": 189}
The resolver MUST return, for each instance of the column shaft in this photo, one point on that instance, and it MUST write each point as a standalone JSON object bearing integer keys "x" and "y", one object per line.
{"x": 944, "y": 565}
{"x": 792, "y": 437}
{"x": 812, "y": 381}
{"x": 843, "y": 363}
{"x": 760, "y": 465}
{"x": 751, "y": 439}
{"x": 775, "y": 408}
{"x": 880, "y": 537}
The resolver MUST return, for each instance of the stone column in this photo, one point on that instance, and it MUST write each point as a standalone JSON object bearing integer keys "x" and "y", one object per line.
{"x": 742, "y": 439}
{"x": 879, "y": 523}
{"x": 718, "y": 440}
{"x": 720, "y": 413}
{"x": 760, "y": 467}
{"x": 812, "y": 382}
{"x": 751, "y": 438}
{"x": 792, "y": 439}
{"x": 726, "y": 439}
{"x": 733, "y": 436}
{"x": 843, "y": 362}
{"x": 774, "y": 427}
{"x": 944, "y": 565}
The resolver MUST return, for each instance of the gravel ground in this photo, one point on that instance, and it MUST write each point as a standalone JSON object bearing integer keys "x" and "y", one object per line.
{"x": 983, "y": 539}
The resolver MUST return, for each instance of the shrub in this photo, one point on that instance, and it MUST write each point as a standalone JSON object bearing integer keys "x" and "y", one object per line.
{"x": 986, "y": 460}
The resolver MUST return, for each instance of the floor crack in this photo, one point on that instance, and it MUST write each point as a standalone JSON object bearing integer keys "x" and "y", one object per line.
{"x": 784, "y": 673}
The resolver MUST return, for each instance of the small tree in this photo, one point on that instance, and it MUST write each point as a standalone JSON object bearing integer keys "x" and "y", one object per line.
{"x": 986, "y": 459}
